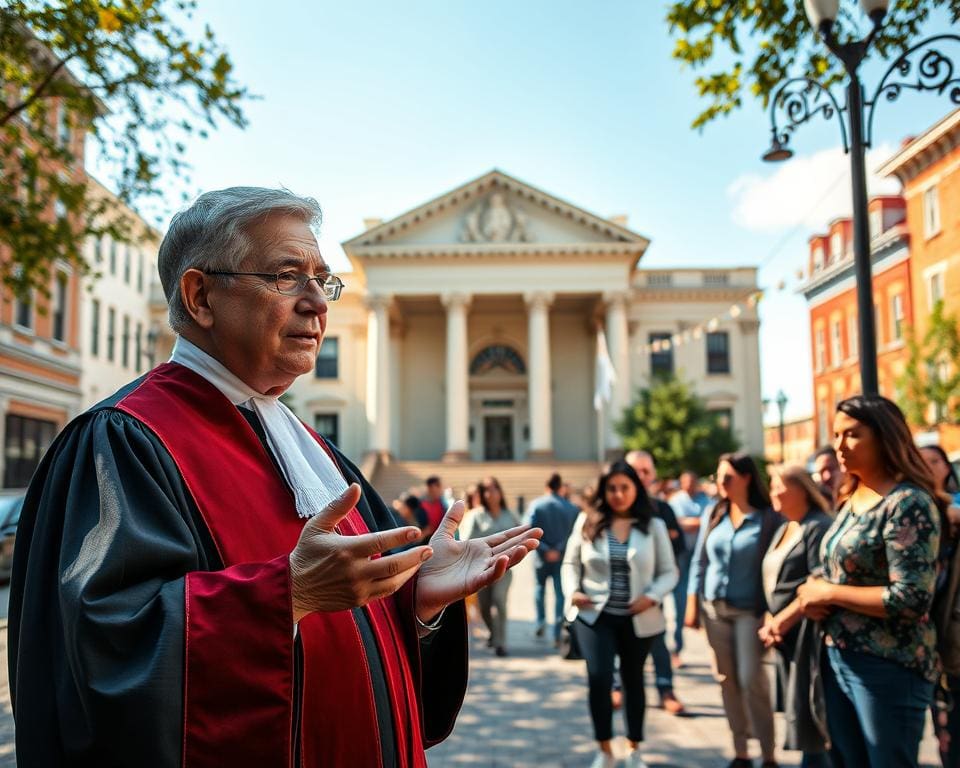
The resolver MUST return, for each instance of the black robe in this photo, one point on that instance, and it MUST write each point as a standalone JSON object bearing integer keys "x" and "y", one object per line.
{"x": 96, "y": 626}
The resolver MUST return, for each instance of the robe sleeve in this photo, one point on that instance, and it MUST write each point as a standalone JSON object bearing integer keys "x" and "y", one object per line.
{"x": 108, "y": 542}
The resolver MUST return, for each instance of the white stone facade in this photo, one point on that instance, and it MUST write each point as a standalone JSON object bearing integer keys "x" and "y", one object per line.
{"x": 468, "y": 329}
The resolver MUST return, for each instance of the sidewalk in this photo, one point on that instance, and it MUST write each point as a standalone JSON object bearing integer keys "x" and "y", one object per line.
{"x": 530, "y": 709}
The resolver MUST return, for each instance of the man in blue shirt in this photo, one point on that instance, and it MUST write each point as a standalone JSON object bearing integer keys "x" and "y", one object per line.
{"x": 556, "y": 516}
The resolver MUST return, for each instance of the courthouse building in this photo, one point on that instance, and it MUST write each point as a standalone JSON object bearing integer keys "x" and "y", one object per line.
{"x": 469, "y": 332}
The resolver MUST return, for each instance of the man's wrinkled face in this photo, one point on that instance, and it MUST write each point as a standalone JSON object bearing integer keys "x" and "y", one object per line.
{"x": 266, "y": 338}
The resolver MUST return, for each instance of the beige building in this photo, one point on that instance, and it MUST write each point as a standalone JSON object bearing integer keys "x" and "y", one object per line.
{"x": 117, "y": 332}
{"x": 468, "y": 331}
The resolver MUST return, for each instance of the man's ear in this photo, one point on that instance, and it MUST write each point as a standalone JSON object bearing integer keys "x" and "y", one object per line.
{"x": 193, "y": 293}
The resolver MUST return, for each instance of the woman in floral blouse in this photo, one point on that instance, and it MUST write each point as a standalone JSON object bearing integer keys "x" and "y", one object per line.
{"x": 879, "y": 570}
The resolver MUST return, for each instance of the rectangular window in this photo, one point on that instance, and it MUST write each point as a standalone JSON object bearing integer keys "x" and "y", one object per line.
{"x": 63, "y": 126}
{"x": 896, "y": 316}
{"x": 25, "y": 442}
{"x": 127, "y": 267}
{"x": 95, "y": 327}
{"x": 823, "y": 425}
{"x": 661, "y": 359}
{"x": 935, "y": 288}
{"x": 878, "y": 325}
{"x": 98, "y": 249}
{"x": 139, "y": 270}
{"x": 836, "y": 247}
{"x": 138, "y": 346}
{"x": 853, "y": 337}
{"x": 820, "y": 351}
{"x": 60, "y": 307}
{"x": 328, "y": 361}
{"x": 59, "y": 209}
{"x": 23, "y": 310}
{"x": 328, "y": 425}
{"x": 836, "y": 344}
{"x": 125, "y": 349}
{"x": 817, "y": 259}
{"x": 876, "y": 223}
{"x": 113, "y": 256}
{"x": 931, "y": 212}
{"x": 111, "y": 334}
{"x": 718, "y": 352}
{"x": 724, "y": 417}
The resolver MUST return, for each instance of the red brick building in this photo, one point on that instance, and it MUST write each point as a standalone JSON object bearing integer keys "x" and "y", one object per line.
{"x": 830, "y": 290}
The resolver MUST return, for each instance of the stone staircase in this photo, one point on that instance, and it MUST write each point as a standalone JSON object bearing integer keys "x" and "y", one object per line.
{"x": 522, "y": 481}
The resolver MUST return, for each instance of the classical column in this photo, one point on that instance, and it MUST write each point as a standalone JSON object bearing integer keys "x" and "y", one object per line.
{"x": 378, "y": 373}
{"x": 618, "y": 344}
{"x": 458, "y": 396}
{"x": 538, "y": 374}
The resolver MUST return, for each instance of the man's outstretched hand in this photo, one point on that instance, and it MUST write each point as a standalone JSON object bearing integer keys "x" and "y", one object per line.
{"x": 330, "y": 572}
{"x": 460, "y": 568}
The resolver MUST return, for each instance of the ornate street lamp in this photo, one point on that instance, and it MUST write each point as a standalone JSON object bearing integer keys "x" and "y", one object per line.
{"x": 781, "y": 406}
{"x": 922, "y": 68}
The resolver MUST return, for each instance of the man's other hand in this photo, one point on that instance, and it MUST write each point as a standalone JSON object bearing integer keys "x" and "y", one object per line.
{"x": 460, "y": 568}
{"x": 330, "y": 572}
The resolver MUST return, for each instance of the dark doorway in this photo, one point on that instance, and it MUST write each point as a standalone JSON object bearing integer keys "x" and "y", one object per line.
{"x": 498, "y": 438}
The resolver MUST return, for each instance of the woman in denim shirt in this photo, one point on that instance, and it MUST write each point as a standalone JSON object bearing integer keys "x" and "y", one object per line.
{"x": 879, "y": 567}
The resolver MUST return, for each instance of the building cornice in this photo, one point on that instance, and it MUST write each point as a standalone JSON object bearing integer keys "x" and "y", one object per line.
{"x": 693, "y": 293}
{"x": 495, "y": 251}
{"x": 34, "y": 358}
{"x": 924, "y": 150}
{"x": 891, "y": 248}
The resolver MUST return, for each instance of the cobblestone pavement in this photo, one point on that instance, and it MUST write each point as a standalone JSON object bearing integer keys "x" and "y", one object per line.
{"x": 530, "y": 709}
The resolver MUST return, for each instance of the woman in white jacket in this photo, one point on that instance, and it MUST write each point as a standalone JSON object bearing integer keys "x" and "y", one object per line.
{"x": 618, "y": 568}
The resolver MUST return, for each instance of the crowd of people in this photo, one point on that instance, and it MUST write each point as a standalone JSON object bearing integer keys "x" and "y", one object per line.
{"x": 836, "y": 570}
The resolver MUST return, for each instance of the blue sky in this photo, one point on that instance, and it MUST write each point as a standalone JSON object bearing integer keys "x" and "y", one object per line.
{"x": 375, "y": 107}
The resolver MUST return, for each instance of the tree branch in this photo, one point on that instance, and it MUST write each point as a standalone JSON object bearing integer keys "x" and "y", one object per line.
{"x": 17, "y": 109}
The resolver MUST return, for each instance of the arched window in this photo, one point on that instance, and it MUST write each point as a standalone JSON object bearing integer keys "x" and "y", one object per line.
{"x": 497, "y": 356}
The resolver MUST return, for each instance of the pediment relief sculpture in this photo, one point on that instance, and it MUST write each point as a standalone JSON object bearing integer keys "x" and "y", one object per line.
{"x": 494, "y": 221}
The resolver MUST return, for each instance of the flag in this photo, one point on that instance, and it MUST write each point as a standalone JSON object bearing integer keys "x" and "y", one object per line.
{"x": 605, "y": 374}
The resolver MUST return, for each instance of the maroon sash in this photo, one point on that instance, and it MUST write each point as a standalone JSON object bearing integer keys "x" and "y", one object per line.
{"x": 239, "y": 665}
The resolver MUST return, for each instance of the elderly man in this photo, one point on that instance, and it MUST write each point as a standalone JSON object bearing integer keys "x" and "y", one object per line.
{"x": 201, "y": 580}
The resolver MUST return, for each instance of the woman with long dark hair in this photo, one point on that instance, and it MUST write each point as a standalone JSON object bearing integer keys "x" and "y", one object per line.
{"x": 794, "y": 554}
{"x": 874, "y": 600}
{"x": 616, "y": 571}
{"x": 726, "y": 593}
{"x": 492, "y": 516}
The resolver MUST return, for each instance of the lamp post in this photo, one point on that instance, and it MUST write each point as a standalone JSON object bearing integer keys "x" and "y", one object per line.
{"x": 781, "y": 406}
{"x": 799, "y": 99}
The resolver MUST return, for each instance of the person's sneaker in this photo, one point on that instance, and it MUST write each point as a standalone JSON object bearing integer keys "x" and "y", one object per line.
{"x": 741, "y": 762}
{"x": 603, "y": 760}
{"x": 671, "y": 704}
{"x": 500, "y": 651}
{"x": 770, "y": 764}
{"x": 540, "y": 630}
{"x": 634, "y": 760}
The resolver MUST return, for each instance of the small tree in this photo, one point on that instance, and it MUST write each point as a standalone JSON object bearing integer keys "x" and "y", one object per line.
{"x": 932, "y": 375}
{"x": 124, "y": 72}
{"x": 673, "y": 424}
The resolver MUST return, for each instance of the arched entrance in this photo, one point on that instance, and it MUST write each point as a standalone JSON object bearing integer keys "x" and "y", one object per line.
{"x": 498, "y": 404}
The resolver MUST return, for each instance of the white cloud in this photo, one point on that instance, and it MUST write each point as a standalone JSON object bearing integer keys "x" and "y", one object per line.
{"x": 807, "y": 191}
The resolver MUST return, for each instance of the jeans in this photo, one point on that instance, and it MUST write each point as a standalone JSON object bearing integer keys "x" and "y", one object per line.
{"x": 543, "y": 572}
{"x": 680, "y": 598}
{"x": 876, "y": 710}
{"x": 662, "y": 668}
{"x": 607, "y": 637}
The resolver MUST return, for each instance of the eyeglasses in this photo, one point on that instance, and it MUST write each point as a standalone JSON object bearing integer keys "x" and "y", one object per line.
{"x": 293, "y": 283}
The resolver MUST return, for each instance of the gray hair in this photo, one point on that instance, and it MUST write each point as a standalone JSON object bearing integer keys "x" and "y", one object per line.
{"x": 213, "y": 234}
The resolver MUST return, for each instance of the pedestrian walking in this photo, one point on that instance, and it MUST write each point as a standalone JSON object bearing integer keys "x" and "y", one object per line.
{"x": 646, "y": 469}
{"x": 489, "y": 518}
{"x": 794, "y": 555}
{"x": 617, "y": 570}
{"x": 879, "y": 571}
{"x": 727, "y": 595}
{"x": 688, "y": 503}
{"x": 556, "y": 516}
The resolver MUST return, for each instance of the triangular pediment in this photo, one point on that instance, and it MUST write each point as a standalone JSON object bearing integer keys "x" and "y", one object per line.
{"x": 495, "y": 213}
